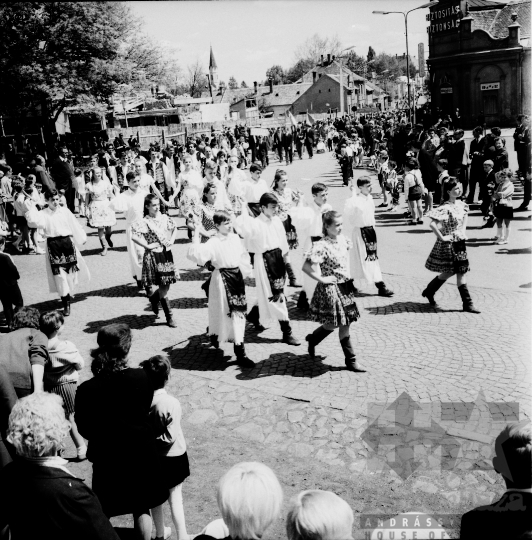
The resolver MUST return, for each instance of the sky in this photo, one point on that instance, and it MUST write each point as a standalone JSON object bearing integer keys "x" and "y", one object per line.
{"x": 249, "y": 36}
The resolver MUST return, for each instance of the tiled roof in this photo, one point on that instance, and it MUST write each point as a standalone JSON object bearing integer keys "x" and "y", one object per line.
{"x": 496, "y": 21}
{"x": 476, "y": 5}
{"x": 283, "y": 94}
{"x": 332, "y": 69}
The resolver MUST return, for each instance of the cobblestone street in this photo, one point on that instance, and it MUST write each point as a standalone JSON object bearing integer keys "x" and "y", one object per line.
{"x": 440, "y": 383}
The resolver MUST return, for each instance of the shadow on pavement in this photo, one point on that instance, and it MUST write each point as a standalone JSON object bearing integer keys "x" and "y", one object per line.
{"x": 197, "y": 355}
{"x": 407, "y": 307}
{"x": 525, "y": 286}
{"x": 415, "y": 231}
{"x": 96, "y": 251}
{"x": 135, "y": 322}
{"x": 188, "y": 303}
{"x": 193, "y": 274}
{"x": 522, "y": 251}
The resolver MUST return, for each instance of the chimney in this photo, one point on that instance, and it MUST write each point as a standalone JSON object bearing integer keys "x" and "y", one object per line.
{"x": 313, "y": 77}
{"x": 270, "y": 82}
{"x": 255, "y": 86}
{"x": 321, "y": 63}
{"x": 328, "y": 59}
{"x": 514, "y": 32}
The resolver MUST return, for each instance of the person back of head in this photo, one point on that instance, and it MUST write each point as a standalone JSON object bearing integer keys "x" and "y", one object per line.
{"x": 50, "y": 322}
{"x": 26, "y": 317}
{"x": 513, "y": 455}
{"x": 249, "y": 498}
{"x": 114, "y": 343}
{"x": 411, "y": 164}
{"x": 37, "y": 425}
{"x": 158, "y": 370}
{"x": 319, "y": 515}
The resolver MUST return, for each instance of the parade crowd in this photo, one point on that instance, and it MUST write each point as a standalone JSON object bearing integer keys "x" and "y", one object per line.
{"x": 238, "y": 227}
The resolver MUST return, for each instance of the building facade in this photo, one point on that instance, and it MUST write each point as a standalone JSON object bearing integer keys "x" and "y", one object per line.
{"x": 479, "y": 60}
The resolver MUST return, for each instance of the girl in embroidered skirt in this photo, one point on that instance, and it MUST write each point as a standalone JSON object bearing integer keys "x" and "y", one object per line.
{"x": 63, "y": 236}
{"x": 221, "y": 201}
{"x": 287, "y": 198}
{"x": 502, "y": 205}
{"x": 333, "y": 303}
{"x": 449, "y": 255}
{"x": 192, "y": 185}
{"x": 156, "y": 232}
{"x": 101, "y": 215}
{"x": 227, "y": 293}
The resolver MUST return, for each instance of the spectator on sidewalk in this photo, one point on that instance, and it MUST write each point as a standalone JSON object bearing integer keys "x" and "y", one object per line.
{"x": 63, "y": 175}
{"x": 10, "y": 294}
{"x": 39, "y": 497}
{"x": 509, "y": 517}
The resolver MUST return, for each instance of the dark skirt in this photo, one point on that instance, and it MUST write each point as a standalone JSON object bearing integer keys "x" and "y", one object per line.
{"x": 158, "y": 268}
{"x": 291, "y": 234}
{"x": 448, "y": 257}
{"x": 333, "y": 305}
{"x": 67, "y": 392}
{"x": 129, "y": 486}
{"x": 503, "y": 212}
{"x": 175, "y": 470}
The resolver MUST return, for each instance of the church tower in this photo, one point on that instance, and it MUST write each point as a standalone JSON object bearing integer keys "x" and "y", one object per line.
{"x": 213, "y": 74}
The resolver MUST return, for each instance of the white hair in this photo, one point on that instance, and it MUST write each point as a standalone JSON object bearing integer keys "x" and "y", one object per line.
{"x": 249, "y": 497}
{"x": 37, "y": 425}
{"x": 319, "y": 515}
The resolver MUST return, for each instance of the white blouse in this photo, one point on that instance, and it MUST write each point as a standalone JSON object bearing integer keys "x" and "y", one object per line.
{"x": 60, "y": 222}
{"x": 191, "y": 180}
{"x": 130, "y": 203}
{"x": 308, "y": 220}
{"x": 359, "y": 211}
{"x": 262, "y": 234}
{"x": 223, "y": 252}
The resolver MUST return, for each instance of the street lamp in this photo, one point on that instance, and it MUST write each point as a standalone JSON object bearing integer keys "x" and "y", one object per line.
{"x": 405, "y": 15}
{"x": 341, "y": 78}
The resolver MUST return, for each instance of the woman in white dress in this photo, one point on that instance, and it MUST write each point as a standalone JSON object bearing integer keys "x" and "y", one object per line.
{"x": 192, "y": 185}
{"x": 101, "y": 214}
{"x": 234, "y": 179}
{"x": 63, "y": 234}
{"x": 131, "y": 202}
{"x": 227, "y": 293}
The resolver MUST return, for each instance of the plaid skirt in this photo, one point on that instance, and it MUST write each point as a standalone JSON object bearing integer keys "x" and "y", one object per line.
{"x": 158, "y": 268}
{"x": 328, "y": 305}
{"x": 448, "y": 257}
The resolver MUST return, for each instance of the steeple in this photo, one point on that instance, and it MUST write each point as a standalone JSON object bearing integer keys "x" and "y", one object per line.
{"x": 213, "y": 74}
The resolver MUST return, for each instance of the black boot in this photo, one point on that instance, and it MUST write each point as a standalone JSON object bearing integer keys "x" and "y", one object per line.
{"x": 241, "y": 359}
{"x": 139, "y": 284}
{"x": 489, "y": 224}
{"x": 287, "y": 334}
{"x": 302, "y": 302}
{"x": 168, "y": 313}
{"x": 154, "y": 301}
{"x": 149, "y": 290}
{"x": 108, "y": 238}
{"x": 206, "y": 285}
{"x": 292, "y": 279}
{"x": 214, "y": 341}
{"x": 66, "y": 305}
{"x": 383, "y": 290}
{"x": 350, "y": 357}
{"x": 431, "y": 289}
{"x": 466, "y": 300}
{"x": 253, "y": 318}
{"x": 315, "y": 339}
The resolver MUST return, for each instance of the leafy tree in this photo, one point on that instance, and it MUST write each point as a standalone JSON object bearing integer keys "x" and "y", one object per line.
{"x": 243, "y": 84}
{"x": 232, "y": 83}
{"x": 357, "y": 64}
{"x": 371, "y": 53}
{"x": 315, "y": 46}
{"x": 298, "y": 70}
{"x": 276, "y": 73}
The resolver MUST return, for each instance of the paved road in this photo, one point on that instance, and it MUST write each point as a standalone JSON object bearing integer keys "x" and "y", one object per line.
{"x": 439, "y": 375}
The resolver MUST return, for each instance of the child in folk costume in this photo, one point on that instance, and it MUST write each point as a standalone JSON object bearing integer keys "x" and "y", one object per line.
{"x": 131, "y": 202}
{"x": 288, "y": 198}
{"x": 266, "y": 237}
{"x": 251, "y": 190}
{"x": 227, "y": 292}
{"x": 449, "y": 255}
{"x": 308, "y": 223}
{"x": 359, "y": 215}
{"x": 333, "y": 303}
{"x": 201, "y": 217}
{"x": 101, "y": 214}
{"x": 234, "y": 178}
{"x": 63, "y": 235}
{"x": 81, "y": 192}
{"x": 192, "y": 184}
{"x": 502, "y": 205}
{"x": 156, "y": 233}
{"x": 162, "y": 180}
{"x": 392, "y": 184}
{"x": 222, "y": 201}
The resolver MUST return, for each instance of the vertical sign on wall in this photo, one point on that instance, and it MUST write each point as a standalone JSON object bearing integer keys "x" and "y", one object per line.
{"x": 421, "y": 59}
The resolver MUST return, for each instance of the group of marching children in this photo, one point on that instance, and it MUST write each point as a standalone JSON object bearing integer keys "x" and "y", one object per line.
{"x": 256, "y": 237}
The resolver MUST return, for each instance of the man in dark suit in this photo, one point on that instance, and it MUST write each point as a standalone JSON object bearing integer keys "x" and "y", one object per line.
{"x": 458, "y": 159}
{"x": 287, "y": 140}
{"x": 476, "y": 155}
{"x": 309, "y": 141}
{"x": 521, "y": 141}
{"x": 41, "y": 174}
{"x": 511, "y": 516}
{"x": 278, "y": 144}
{"x": 63, "y": 176}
